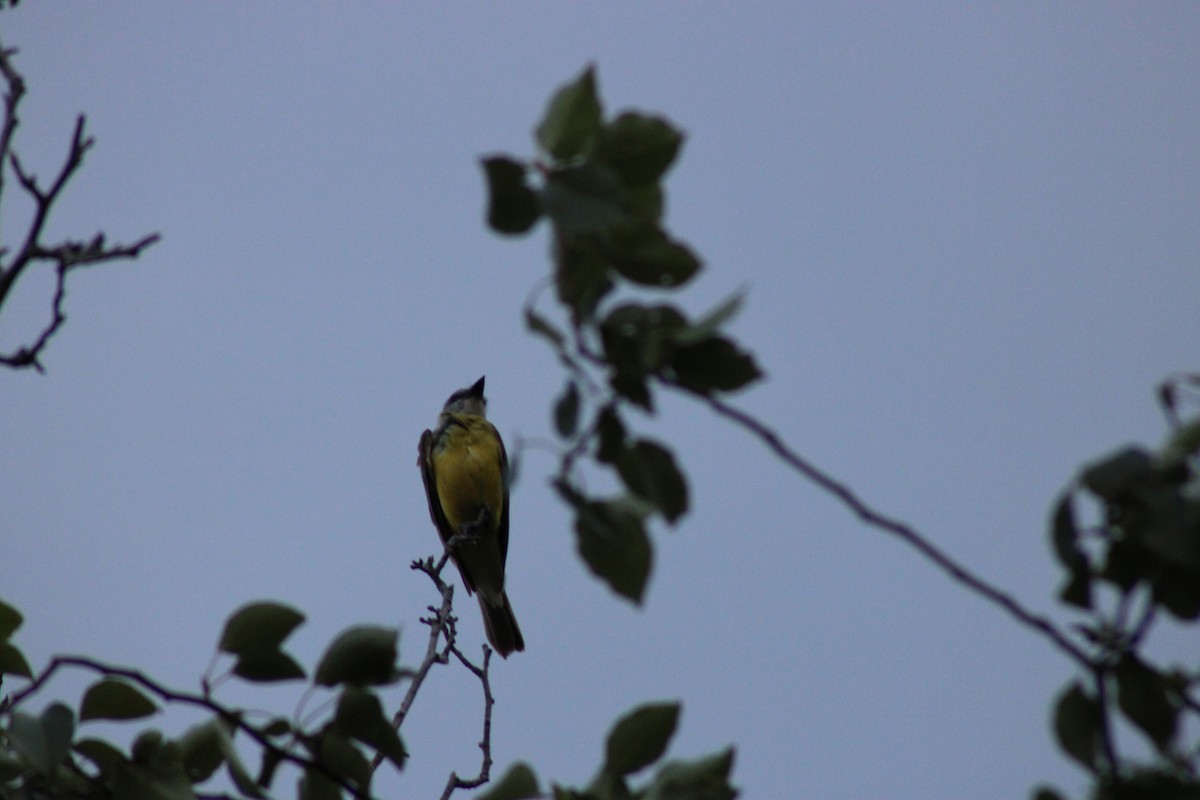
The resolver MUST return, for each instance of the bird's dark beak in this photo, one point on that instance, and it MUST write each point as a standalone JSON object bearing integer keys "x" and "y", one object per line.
{"x": 477, "y": 389}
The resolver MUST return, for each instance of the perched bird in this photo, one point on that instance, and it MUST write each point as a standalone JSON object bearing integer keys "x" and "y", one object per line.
{"x": 465, "y": 469}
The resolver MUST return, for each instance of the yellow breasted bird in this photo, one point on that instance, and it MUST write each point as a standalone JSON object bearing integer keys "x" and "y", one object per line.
{"x": 465, "y": 469}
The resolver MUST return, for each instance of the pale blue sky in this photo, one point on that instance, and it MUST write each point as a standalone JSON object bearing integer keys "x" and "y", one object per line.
{"x": 969, "y": 236}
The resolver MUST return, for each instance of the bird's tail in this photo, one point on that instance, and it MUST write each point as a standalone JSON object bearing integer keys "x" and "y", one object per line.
{"x": 501, "y": 626}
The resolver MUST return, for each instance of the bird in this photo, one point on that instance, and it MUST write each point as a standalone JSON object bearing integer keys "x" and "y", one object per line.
{"x": 465, "y": 470}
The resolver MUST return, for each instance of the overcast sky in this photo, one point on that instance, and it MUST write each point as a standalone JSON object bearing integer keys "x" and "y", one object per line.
{"x": 968, "y": 235}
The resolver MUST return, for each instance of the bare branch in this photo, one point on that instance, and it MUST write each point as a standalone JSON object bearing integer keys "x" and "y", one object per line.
{"x": 902, "y": 531}
{"x": 65, "y": 256}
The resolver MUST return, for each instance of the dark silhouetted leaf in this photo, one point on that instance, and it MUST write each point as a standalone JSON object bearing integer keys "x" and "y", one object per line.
{"x": 584, "y": 198}
{"x": 1077, "y": 590}
{"x": 513, "y": 206}
{"x": 1178, "y": 592}
{"x": 640, "y": 737}
{"x": 360, "y": 716}
{"x": 343, "y": 758}
{"x": 704, "y": 778}
{"x": 1114, "y": 476}
{"x": 259, "y": 626}
{"x": 654, "y": 259}
{"x": 638, "y": 147}
{"x": 362, "y": 656}
{"x": 10, "y": 620}
{"x": 267, "y": 666}
{"x": 649, "y": 470}
{"x": 103, "y": 754}
{"x": 12, "y": 662}
{"x": 518, "y": 783}
{"x": 202, "y": 749}
{"x": 538, "y": 324}
{"x": 114, "y": 699}
{"x": 1077, "y": 722}
{"x": 572, "y": 120}
{"x": 45, "y": 740}
{"x": 612, "y": 541}
{"x": 713, "y": 365}
{"x": 1064, "y": 534}
{"x": 581, "y": 275}
{"x": 566, "y": 411}
{"x": 1143, "y": 697}
{"x": 611, "y": 432}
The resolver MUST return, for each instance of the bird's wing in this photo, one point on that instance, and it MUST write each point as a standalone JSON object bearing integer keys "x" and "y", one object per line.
{"x": 502, "y": 531}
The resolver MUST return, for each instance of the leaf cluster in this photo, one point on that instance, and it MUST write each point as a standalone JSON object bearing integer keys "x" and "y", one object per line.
{"x": 598, "y": 183}
{"x": 45, "y": 755}
{"x": 637, "y": 740}
{"x": 1138, "y": 562}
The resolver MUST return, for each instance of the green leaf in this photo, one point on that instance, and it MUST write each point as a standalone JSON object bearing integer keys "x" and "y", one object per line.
{"x": 638, "y": 147}
{"x": 103, "y": 754}
{"x": 518, "y": 783}
{"x": 43, "y": 741}
{"x": 713, "y": 365}
{"x": 316, "y": 786}
{"x": 651, "y": 258}
{"x": 566, "y": 411}
{"x": 640, "y": 737}
{"x": 513, "y": 206}
{"x": 1115, "y": 475}
{"x": 583, "y": 198}
{"x": 267, "y": 665}
{"x": 10, "y": 620}
{"x": 111, "y": 698}
{"x": 1077, "y": 723}
{"x": 612, "y": 541}
{"x": 610, "y": 447}
{"x": 1143, "y": 697}
{"x": 705, "y": 778}
{"x": 639, "y": 339}
{"x": 203, "y": 748}
{"x": 1077, "y": 590}
{"x": 363, "y": 656}
{"x": 360, "y": 716}
{"x": 12, "y": 662}
{"x": 538, "y": 324}
{"x": 343, "y": 758}
{"x": 258, "y": 626}
{"x": 1178, "y": 592}
{"x": 572, "y": 120}
{"x": 1064, "y": 534}
{"x": 581, "y": 274}
{"x": 649, "y": 470}
{"x": 1046, "y": 793}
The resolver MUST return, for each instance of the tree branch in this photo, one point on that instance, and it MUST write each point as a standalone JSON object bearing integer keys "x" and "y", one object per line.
{"x": 900, "y": 530}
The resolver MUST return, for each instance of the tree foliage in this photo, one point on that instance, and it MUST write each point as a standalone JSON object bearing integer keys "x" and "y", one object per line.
{"x": 1126, "y": 530}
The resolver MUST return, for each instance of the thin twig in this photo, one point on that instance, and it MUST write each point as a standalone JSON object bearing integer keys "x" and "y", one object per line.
{"x": 454, "y": 782}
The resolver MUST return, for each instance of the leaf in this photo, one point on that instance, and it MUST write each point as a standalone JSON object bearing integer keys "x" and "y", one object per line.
{"x": 258, "y": 626}
{"x": 1183, "y": 444}
{"x": 12, "y": 662}
{"x": 649, "y": 470}
{"x": 654, "y": 259}
{"x": 513, "y": 206}
{"x": 1143, "y": 698}
{"x": 202, "y": 749}
{"x": 518, "y": 783}
{"x": 340, "y": 755}
{"x": 43, "y": 741}
{"x": 583, "y": 198}
{"x": 572, "y": 119}
{"x": 10, "y": 620}
{"x": 363, "y": 655}
{"x": 103, "y": 754}
{"x": 267, "y": 665}
{"x": 1115, "y": 475}
{"x": 638, "y": 147}
{"x": 566, "y": 411}
{"x": 705, "y": 778}
{"x": 1077, "y": 721}
{"x": 713, "y": 365}
{"x": 1046, "y": 793}
{"x": 640, "y": 737}
{"x": 581, "y": 275}
{"x": 360, "y": 716}
{"x": 612, "y": 541}
{"x": 1064, "y": 534}
{"x": 1077, "y": 590}
{"x": 610, "y": 447}
{"x": 538, "y": 324}
{"x": 110, "y": 698}
{"x": 316, "y": 786}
